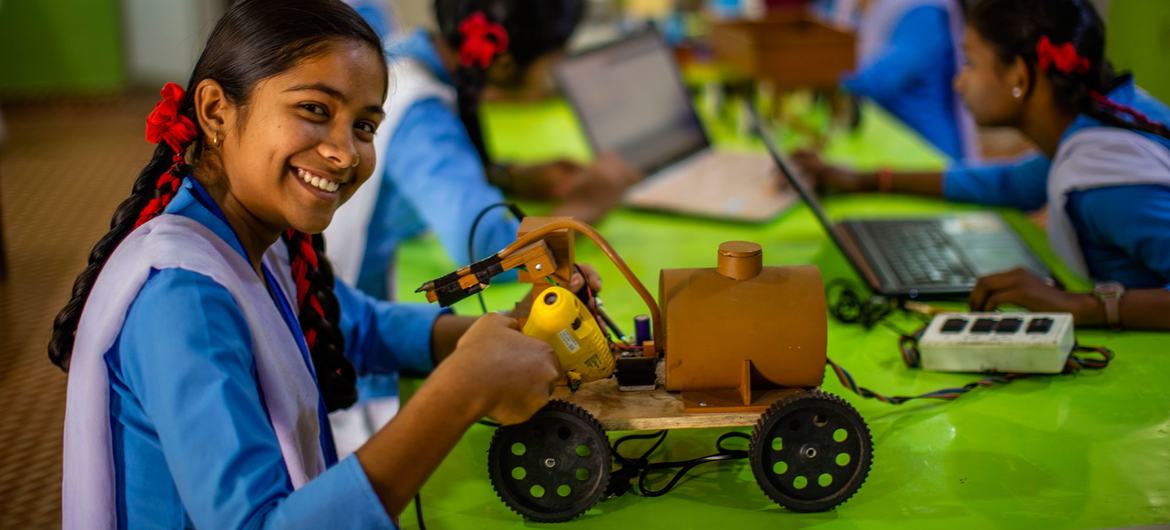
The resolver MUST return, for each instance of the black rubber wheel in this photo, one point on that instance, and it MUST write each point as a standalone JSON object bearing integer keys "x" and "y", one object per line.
{"x": 811, "y": 451}
{"x": 554, "y": 466}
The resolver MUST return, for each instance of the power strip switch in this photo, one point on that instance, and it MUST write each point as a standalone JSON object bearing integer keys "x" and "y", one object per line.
{"x": 1034, "y": 343}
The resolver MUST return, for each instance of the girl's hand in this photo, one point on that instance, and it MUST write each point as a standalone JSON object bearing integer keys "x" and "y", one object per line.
{"x": 1022, "y": 287}
{"x": 506, "y": 374}
{"x": 553, "y": 180}
{"x": 599, "y": 189}
{"x": 613, "y": 168}
{"x": 831, "y": 178}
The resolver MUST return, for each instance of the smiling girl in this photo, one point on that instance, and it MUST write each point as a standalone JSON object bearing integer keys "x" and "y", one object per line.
{"x": 207, "y": 339}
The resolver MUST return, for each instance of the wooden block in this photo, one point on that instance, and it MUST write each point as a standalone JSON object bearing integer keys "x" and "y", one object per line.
{"x": 648, "y": 410}
{"x": 790, "y": 50}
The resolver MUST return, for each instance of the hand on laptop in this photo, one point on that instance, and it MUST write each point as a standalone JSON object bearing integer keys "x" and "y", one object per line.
{"x": 831, "y": 178}
{"x": 552, "y": 180}
{"x": 1024, "y": 288}
{"x": 599, "y": 190}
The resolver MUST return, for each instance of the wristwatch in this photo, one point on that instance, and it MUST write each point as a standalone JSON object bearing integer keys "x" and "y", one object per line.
{"x": 1109, "y": 293}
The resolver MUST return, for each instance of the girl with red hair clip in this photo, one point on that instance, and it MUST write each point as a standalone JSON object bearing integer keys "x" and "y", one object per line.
{"x": 434, "y": 171}
{"x": 1103, "y": 167}
{"x": 207, "y": 339}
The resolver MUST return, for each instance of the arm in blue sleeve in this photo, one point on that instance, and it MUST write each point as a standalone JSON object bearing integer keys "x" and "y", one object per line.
{"x": 432, "y": 161}
{"x": 187, "y": 356}
{"x": 920, "y": 43}
{"x": 1135, "y": 219}
{"x": 1022, "y": 185}
{"x": 386, "y": 337}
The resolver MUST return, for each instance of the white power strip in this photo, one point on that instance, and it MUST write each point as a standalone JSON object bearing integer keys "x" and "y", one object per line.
{"x": 997, "y": 342}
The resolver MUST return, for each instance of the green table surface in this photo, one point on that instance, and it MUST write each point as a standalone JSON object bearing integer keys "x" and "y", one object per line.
{"x": 1088, "y": 450}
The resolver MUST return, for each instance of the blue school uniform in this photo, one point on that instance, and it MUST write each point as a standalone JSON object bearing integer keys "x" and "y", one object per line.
{"x": 192, "y": 443}
{"x": 1123, "y": 230}
{"x": 910, "y": 73}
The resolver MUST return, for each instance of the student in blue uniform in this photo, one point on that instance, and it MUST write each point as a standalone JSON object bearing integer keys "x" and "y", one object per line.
{"x": 909, "y": 53}
{"x": 207, "y": 338}
{"x": 1103, "y": 169}
{"x": 432, "y": 158}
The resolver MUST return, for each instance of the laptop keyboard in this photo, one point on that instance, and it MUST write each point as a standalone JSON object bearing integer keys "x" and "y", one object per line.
{"x": 919, "y": 253}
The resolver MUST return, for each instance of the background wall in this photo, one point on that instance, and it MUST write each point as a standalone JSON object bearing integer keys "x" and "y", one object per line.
{"x": 1138, "y": 39}
{"x": 164, "y": 37}
{"x": 101, "y": 46}
{"x": 60, "y": 46}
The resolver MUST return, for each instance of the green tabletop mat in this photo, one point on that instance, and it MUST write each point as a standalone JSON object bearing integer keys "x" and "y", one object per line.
{"x": 1089, "y": 450}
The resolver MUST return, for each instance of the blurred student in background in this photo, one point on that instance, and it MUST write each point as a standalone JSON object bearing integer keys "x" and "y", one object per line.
{"x": 434, "y": 170}
{"x": 1103, "y": 170}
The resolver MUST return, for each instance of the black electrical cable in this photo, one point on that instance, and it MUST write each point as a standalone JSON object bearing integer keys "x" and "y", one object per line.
{"x": 641, "y": 467}
{"x": 516, "y": 211}
{"x": 848, "y": 305}
{"x": 418, "y": 511}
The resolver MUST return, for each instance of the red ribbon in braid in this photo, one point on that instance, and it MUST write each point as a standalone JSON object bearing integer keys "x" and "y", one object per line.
{"x": 1138, "y": 117}
{"x": 1067, "y": 61}
{"x": 483, "y": 40}
{"x": 166, "y": 124}
{"x": 302, "y": 261}
{"x": 1064, "y": 57}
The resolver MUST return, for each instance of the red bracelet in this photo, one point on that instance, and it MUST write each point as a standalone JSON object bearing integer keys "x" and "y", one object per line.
{"x": 885, "y": 180}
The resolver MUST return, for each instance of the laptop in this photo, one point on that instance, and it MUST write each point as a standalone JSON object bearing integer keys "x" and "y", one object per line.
{"x": 630, "y": 99}
{"x": 917, "y": 258}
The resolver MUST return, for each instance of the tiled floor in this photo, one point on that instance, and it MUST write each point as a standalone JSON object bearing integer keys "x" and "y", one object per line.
{"x": 64, "y": 170}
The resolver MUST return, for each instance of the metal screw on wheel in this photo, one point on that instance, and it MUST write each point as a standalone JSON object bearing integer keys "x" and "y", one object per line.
{"x": 811, "y": 451}
{"x": 554, "y": 466}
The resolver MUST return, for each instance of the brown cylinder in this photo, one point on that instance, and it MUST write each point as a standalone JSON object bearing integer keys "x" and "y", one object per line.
{"x": 740, "y": 260}
{"x": 712, "y": 323}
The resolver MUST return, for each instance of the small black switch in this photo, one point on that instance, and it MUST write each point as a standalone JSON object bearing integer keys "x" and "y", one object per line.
{"x": 1009, "y": 325}
{"x": 1039, "y": 325}
{"x": 983, "y": 325}
{"x": 954, "y": 325}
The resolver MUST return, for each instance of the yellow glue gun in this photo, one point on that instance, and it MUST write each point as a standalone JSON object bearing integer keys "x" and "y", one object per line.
{"x": 565, "y": 323}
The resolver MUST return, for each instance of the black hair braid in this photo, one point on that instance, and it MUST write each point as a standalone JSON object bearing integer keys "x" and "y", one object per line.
{"x": 336, "y": 377}
{"x": 122, "y": 223}
{"x": 469, "y": 83}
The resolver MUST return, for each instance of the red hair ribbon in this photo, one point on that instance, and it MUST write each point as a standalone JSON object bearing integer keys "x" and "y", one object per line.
{"x": 1064, "y": 57}
{"x": 483, "y": 40}
{"x": 1117, "y": 108}
{"x": 302, "y": 261}
{"x": 165, "y": 124}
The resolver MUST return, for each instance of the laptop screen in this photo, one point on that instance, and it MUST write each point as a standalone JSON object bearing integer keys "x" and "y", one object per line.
{"x": 631, "y": 100}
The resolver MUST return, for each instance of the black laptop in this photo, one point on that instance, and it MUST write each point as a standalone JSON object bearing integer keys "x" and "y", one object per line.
{"x": 921, "y": 257}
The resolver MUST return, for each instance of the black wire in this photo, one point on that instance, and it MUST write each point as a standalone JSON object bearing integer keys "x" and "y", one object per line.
{"x": 641, "y": 467}
{"x": 418, "y": 510}
{"x": 516, "y": 211}
{"x": 848, "y": 305}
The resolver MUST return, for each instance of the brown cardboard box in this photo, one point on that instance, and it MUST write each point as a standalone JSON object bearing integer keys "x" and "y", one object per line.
{"x": 788, "y": 49}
